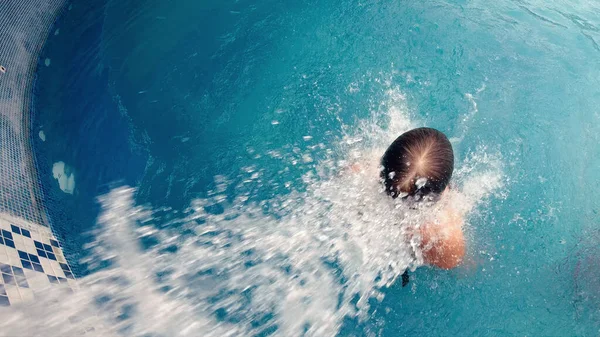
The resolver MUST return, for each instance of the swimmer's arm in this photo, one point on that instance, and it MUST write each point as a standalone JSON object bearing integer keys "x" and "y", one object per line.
{"x": 443, "y": 243}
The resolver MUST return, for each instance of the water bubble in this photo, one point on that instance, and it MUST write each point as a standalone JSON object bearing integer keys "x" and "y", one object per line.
{"x": 421, "y": 182}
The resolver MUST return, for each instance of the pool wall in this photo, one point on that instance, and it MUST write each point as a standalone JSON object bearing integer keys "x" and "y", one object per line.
{"x": 31, "y": 259}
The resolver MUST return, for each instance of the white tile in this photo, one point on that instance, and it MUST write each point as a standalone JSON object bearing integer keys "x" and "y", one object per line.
{"x": 31, "y": 232}
{"x": 57, "y": 269}
{"x": 47, "y": 266}
{"x": 11, "y": 252}
{"x": 60, "y": 259}
{"x": 59, "y": 253}
{"x": 29, "y": 227}
{"x": 4, "y": 257}
{"x": 28, "y": 241}
{"x": 73, "y": 284}
{"x": 13, "y": 293}
{"x": 45, "y": 236}
{"x": 29, "y": 273}
{"x": 18, "y": 239}
{"x": 4, "y": 225}
{"x": 55, "y": 265}
{"x": 37, "y": 281}
{"x": 35, "y": 236}
{"x": 31, "y": 250}
{"x": 15, "y": 261}
{"x": 26, "y": 295}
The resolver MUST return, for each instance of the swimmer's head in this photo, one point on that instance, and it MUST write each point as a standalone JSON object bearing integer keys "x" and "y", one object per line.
{"x": 418, "y": 163}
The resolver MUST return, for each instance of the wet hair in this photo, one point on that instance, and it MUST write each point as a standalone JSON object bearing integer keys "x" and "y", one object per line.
{"x": 418, "y": 163}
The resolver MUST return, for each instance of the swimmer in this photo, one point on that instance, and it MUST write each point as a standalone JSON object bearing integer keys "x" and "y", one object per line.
{"x": 417, "y": 167}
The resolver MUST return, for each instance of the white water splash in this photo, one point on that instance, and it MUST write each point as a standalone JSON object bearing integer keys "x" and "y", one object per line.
{"x": 467, "y": 118}
{"x": 325, "y": 253}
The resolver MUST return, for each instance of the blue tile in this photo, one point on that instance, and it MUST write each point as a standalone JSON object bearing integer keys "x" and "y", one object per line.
{"x": 9, "y": 243}
{"x": 1, "y": 240}
{"x": 54, "y": 243}
{"x": 51, "y": 256}
{"x": 64, "y": 266}
{"x": 38, "y": 267}
{"x": 25, "y": 233}
{"x": 41, "y": 253}
{"x": 8, "y": 279}
{"x": 2, "y": 290}
{"x": 23, "y": 255}
{"x": 52, "y": 279}
{"x": 7, "y": 234}
{"x": 4, "y": 302}
{"x": 68, "y": 274}
{"x": 18, "y": 271}
{"x": 34, "y": 258}
{"x": 38, "y": 244}
{"x": 26, "y": 264}
{"x": 22, "y": 282}
{"x": 5, "y": 268}
{"x": 62, "y": 279}
{"x": 15, "y": 229}
{"x": 47, "y": 247}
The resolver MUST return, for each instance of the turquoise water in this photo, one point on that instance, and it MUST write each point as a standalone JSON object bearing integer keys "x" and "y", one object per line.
{"x": 234, "y": 121}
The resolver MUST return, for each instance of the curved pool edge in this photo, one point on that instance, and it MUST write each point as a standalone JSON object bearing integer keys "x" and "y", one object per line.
{"x": 31, "y": 257}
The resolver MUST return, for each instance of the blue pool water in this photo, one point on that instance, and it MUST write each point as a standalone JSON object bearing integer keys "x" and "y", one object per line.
{"x": 233, "y": 122}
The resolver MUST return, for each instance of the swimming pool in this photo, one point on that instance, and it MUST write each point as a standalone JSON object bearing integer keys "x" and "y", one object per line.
{"x": 207, "y": 143}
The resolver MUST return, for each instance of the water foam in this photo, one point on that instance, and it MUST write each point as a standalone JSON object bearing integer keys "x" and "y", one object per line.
{"x": 318, "y": 255}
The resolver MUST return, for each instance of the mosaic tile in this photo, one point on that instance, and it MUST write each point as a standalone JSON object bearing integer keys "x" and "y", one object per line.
{"x": 31, "y": 261}
{"x": 7, "y": 235}
{"x": 26, "y": 233}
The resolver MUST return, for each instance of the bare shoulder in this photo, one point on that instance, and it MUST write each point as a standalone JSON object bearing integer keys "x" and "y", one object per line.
{"x": 444, "y": 249}
{"x": 443, "y": 241}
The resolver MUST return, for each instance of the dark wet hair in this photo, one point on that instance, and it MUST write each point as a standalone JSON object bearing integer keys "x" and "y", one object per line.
{"x": 418, "y": 163}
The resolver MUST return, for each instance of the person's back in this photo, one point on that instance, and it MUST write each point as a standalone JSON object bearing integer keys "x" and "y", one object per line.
{"x": 418, "y": 166}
